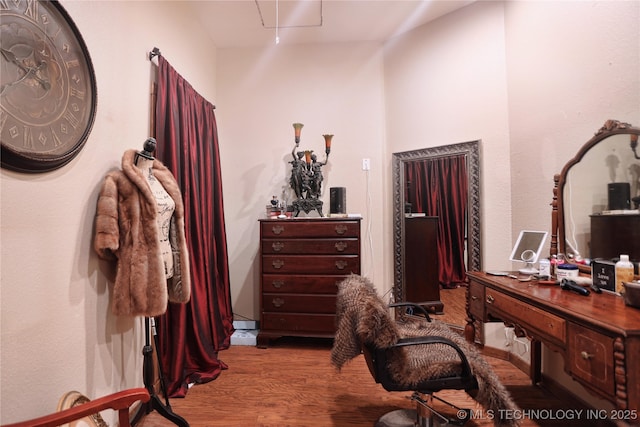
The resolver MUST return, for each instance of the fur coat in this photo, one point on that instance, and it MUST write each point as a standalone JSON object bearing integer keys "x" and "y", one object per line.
{"x": 362, "y": 317}
{"x": 126, "y": 232}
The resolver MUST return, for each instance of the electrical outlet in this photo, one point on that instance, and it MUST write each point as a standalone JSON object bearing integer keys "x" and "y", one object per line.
{"x": 366, "y": 164}
{"x": 510, "y": 336}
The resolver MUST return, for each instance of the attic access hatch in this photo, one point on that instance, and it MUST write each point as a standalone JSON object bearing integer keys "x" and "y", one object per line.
{"x": 276, "y": 14}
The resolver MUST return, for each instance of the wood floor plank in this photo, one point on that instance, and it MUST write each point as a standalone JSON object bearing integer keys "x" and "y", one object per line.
{"x": 292, "y": 383}
{"x": 454, "y": 311}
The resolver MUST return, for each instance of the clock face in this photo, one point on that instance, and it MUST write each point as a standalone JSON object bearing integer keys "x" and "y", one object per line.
{"x": 47, "y": 86}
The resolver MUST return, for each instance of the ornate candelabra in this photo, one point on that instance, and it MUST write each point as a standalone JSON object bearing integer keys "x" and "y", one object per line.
{"x": 306, "y": 175}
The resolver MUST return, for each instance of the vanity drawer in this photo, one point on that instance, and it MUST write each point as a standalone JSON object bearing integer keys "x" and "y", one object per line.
{"x": 350, "y": 246}
{"x": 476, "y": 300}
{"x": 591, "y": 358}
{"x": 532, "y": 319}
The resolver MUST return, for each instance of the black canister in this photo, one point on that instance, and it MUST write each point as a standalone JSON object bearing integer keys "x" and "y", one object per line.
{"x": 338, "y": 200}
{"x": 619, "y": 196}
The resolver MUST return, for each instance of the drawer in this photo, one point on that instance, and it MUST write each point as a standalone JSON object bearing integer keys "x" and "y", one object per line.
{"x": 299, "y": 303}
{"x": 291, "y": 283}
{"x": 548, "y": 325}
{"x": 591, "y": 358}
{"x": 320, "y": 246}
{"x": 309, "y": 323}
{"x": 314, "y": 264}
{"x": 476, "y": 300}
{"x": 309, "y": 229}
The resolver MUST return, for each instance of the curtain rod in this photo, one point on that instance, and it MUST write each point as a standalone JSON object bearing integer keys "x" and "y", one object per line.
{"x": 156, "y": 52}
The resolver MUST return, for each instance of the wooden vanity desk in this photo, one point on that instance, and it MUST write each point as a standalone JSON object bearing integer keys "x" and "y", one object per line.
{"x": 597, "y": 335}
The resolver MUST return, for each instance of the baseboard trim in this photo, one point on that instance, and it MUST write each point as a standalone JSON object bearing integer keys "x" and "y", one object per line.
{"x": 519, "y": 363}
{"x": 558, "y": 389}
{"x": 547, "y": 383}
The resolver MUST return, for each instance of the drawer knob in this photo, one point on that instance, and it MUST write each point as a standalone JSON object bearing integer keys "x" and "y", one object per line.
{"x": 277, "y": 229}
{"x": 341, "y": 246}
{"x": 341, "y": 264}
{"x": 277, "y": 284}
{"x": 474, "y": 298}
{"x": 341, "y": 229}
{"x": 277, "y": 263}
{"x": 277, "y": 302}
{"x": 585, "y": 355}
{"x": 277, "y": 246}
{"x": 490, "y": 299}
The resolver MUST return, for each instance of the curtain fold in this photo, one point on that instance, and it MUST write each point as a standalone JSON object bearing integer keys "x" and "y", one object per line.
{"x": 191, "y": 335}
{"x": 439, "y": 187}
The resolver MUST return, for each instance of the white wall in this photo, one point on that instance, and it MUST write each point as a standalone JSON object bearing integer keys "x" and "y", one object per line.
{"x": 446, "y": 83}
{"x": 571, "y": 66}
{"x": 57, "y": 331}
{"x": 331, "y": 89}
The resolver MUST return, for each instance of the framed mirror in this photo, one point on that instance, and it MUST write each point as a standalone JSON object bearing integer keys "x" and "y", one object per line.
{"x": 595, "y": 198}
{"x": 471, "y": 153}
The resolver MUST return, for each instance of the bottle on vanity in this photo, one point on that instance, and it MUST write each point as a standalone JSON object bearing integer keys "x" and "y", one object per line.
{"x": 624, "y": 272}
{"x": 544, "y": 268}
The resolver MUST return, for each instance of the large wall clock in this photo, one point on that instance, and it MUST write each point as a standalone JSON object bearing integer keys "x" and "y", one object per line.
{"x": 48, "y": 88}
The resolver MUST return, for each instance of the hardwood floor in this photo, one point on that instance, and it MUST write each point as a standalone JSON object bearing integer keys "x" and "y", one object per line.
{"x": 292, "y": 383}
{"x": 454, "y": 301}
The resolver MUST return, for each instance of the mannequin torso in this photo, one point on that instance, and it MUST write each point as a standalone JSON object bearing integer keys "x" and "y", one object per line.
{"x": 166, "y": 206}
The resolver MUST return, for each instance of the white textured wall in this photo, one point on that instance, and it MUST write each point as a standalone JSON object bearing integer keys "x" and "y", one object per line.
{"x": 571, "y": 66}
{"x": 332, "y": 89}
{"x": 57, "y": 331}
{"x": 446, "y": 83}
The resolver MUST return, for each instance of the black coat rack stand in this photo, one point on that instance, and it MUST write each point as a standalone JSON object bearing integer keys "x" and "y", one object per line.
{"x": 155, "y": 403}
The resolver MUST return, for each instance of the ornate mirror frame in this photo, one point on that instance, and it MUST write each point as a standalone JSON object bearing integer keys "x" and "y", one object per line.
{"x": 558, "y": 235}
{"x": 471, "y": 151}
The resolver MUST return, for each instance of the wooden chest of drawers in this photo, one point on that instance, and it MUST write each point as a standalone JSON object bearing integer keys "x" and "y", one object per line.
{"x": 302, "y": 261}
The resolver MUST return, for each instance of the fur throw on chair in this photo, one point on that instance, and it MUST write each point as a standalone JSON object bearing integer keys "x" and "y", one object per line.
{"x": 362, "y": 317}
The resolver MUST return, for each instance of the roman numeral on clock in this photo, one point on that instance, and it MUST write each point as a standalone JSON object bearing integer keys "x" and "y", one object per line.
{"x": 32, "y": 10}
{"x": 73, "y": 121}
{"x": 77, "y": 93}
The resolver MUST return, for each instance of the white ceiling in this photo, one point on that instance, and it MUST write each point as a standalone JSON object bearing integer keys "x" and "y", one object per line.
{"x": 238, "y": 23}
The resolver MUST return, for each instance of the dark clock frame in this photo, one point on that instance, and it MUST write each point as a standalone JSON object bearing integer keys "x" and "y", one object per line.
{"x": 34, "y": 162}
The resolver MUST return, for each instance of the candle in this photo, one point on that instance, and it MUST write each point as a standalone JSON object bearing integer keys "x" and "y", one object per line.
{"x": 297, "y": 128}
{"x": 327, "y": 141}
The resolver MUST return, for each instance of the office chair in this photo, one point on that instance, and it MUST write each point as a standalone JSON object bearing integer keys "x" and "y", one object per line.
{"x": 414, "y": 354}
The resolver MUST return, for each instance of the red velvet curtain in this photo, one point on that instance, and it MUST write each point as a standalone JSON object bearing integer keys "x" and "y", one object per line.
{"x": 190, "y": 335}
{"x": 439, "y": 187}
